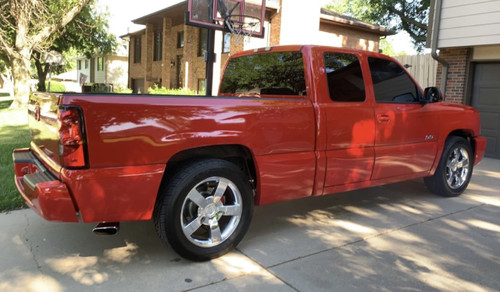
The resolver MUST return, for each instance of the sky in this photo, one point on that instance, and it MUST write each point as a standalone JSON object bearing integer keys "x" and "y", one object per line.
{"x": 123, "y": 11}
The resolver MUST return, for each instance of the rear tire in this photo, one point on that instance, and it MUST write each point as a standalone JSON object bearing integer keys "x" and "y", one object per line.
{"x": 454, "y": 171}
{"x": 205, "y": 209}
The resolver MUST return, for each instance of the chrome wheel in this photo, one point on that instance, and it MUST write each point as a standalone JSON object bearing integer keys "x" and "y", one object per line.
{"x": 454, "y": 171}
{"x": 457, "y": 168}
{"x": 211, "y": 212}
{"x": 204, "y": 209}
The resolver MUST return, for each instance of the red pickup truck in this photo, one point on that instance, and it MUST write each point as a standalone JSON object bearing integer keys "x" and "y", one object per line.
{"x": 289, "y": 122}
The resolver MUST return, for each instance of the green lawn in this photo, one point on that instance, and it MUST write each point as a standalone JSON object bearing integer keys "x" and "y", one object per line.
{"x": 14, "y": 133}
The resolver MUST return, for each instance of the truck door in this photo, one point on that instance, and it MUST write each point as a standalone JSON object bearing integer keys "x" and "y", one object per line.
{"x": 406, "y": 130}
{"x": 350, "y": 127}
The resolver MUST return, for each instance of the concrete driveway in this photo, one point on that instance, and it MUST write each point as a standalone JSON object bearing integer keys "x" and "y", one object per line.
{"x": 392, "y": 238}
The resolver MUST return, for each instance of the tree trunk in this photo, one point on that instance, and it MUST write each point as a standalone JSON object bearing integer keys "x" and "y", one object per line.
{"x": 41, "y": 71}
{"x": 21, "y": 74}
{"x": 8, "y": 81}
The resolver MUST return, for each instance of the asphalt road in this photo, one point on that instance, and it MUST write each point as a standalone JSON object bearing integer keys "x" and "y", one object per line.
{"x": 391, "y": 238}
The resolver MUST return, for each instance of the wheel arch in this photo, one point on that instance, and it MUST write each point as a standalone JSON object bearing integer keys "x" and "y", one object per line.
{"x": 467, "y": 135}
{"x": 237, "y": 154}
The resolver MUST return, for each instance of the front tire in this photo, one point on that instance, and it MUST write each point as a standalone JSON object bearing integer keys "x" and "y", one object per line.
{"x": 454, "y": 171}
{"x": 205, "y": 209}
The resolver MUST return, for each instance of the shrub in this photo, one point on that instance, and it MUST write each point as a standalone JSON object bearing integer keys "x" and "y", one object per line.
{"x": 163, "y": 91}
{"x": 123, "y": 90}
{"x": 55, "y": 86}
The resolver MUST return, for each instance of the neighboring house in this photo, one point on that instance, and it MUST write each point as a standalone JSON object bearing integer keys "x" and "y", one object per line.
{"x": 467, "y": 35}
{"x": 107, "y": 72}
{"x": 169, "y": 53}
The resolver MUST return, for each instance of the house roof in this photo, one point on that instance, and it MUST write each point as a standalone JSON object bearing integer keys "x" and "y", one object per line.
{"x": 177, "y": 12}
{"x": 344, "y": 20}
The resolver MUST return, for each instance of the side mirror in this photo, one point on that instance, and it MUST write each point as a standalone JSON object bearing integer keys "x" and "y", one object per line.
{"x": 432, "y": 94}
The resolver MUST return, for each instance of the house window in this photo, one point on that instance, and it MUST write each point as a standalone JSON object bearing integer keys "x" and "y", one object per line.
{"x": 137, "y": 49}
{"x": 86, "y": 64}
{"x": 100, "y": 64}
{"x": 180, "y": 39}
{"x": 202, "y": 42}
{"x": 79, "y": 64}
{"x": 226, "y": 43}
{"x": 201, "y": 86}
{"x": 158, "y": 46}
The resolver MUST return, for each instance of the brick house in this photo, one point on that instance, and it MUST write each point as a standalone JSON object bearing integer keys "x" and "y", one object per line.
{"x": 467, "y": 35}
{"x": 170, "y": 54}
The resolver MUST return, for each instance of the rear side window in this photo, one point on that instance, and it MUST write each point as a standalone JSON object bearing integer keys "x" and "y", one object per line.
{"x": 344, "y": 77}
{"x": 391, "y": 83}
{"x": 280, "y": 73}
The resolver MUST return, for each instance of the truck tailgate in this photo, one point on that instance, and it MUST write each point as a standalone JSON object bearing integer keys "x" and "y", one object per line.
{"x": 44, "y": 126}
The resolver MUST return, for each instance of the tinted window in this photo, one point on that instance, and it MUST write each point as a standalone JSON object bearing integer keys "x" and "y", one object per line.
{"x": 202, "y": 42}
{"x": 280, "y": 73}
{"x": 158, "y": 46}
{"x": 137, "y": 50}
{"x": 345, "y": 80}
{"x": 391, "y": 83}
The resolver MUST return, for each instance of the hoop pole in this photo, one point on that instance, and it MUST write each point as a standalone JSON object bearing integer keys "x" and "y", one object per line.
{"x": 209, "y": 70}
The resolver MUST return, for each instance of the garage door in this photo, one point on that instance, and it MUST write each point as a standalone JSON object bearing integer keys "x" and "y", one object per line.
{"x": 486, "y": 98}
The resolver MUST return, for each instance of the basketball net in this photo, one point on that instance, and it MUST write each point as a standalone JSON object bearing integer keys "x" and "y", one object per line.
{"x": 241, "y": 30}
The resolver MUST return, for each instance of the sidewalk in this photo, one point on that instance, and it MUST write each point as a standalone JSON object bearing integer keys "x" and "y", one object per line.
{"x": 391, "y": 238}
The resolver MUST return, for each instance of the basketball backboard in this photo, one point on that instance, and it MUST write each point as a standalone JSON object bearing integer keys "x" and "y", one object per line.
{"x": 244, "y": 17}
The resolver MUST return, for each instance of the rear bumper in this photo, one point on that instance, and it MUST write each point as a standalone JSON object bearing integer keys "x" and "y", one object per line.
{"x": 480, "y": 149}
{"x": 41, "y": 190}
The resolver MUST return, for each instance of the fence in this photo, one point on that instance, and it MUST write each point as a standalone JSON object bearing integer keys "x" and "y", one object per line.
{"x": 422, "y": 67}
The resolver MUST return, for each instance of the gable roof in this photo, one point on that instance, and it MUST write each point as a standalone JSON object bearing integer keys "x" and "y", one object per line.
{"x": 344, "y": 20}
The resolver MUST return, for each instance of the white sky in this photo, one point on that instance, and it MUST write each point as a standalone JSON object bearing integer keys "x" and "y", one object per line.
{"x": 401, "y": 42}
{"x": 123, "y": 11}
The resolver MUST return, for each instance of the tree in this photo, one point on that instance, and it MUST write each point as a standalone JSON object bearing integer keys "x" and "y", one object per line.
{"x": 87, "y": 34}
{"x": 409, "y": 15}
{"x": 27, "y": 26}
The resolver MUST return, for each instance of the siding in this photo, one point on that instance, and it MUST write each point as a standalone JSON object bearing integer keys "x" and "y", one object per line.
{"x": 469, "y": 23}
{"x": 99, "y": 75}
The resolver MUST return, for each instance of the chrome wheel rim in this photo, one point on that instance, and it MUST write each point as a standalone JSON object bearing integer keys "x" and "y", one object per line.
{"x": 457, "y": 168}
{"x": 211, "y": 212}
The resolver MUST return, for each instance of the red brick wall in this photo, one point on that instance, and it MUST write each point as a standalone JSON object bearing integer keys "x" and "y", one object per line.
{"x": 458, "y": 59}
{"x": 275, "y": 34}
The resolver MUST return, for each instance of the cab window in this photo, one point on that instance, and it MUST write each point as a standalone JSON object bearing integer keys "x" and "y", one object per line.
{"x": 344, "y": 77}
{"x": 279, "y": 73}
{"x": 391, "y": 83}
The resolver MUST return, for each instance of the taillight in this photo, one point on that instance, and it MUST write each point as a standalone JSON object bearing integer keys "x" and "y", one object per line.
{"x": 71, "y": 137}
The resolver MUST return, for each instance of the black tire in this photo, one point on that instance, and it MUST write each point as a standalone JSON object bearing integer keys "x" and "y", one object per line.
{"x": 205, "y": 209}
{"x": 454, "y": 171}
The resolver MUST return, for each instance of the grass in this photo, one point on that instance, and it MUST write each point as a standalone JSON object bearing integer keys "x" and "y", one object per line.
{"x": 14, "y": 133}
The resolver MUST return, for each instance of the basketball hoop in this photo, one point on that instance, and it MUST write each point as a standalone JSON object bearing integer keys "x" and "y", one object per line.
{"x": 241, "y": 18}
{"x": 242, "y": 26}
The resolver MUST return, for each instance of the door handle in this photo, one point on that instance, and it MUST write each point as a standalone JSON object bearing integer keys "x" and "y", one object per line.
{"x": 382, "y": 118}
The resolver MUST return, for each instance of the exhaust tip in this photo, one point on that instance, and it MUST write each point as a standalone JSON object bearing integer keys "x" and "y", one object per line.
{"x": 106, "y": 228}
